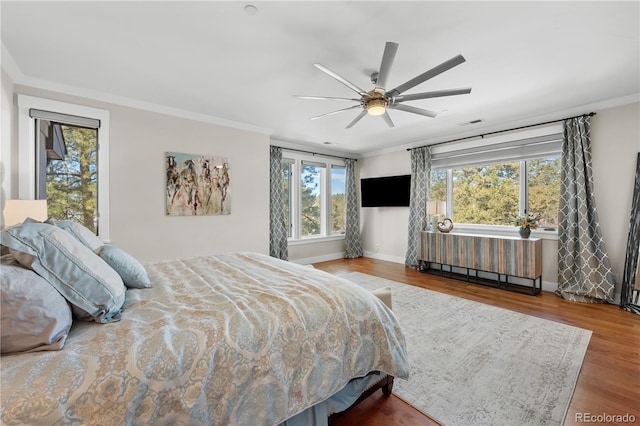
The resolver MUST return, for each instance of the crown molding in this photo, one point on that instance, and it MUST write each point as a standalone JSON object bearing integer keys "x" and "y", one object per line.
{"x": 523, "y": 121}
{"x": 9, "y": 64}
{"x": 19, "y": 78}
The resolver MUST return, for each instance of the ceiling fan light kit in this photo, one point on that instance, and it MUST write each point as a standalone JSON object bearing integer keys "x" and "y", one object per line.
{"x": 378, "y": 101}
{"x": 376, "y": 105}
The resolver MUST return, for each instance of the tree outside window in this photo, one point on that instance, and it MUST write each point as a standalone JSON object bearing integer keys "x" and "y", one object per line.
{"x": 71, "y": 182}
{"x": 338, "y": 212}
{"x": 310, "y": 192}
{"x": 490, "y": 194}
{"x": 544, "y": 190}
{"x": 487, "y": 194}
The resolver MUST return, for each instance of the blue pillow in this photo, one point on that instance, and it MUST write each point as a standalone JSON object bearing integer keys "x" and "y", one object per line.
{"x": 130, "y": 270}
{"x": 80, "y": 275}
{"x": 81, "y": 232}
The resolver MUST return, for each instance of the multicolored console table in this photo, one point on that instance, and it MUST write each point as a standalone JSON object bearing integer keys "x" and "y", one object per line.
{"x": 503, "y": 256}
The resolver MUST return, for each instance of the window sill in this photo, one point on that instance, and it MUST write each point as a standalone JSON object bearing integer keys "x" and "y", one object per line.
{"x": 314, "y": 240}
{"x": 509, "y": 231}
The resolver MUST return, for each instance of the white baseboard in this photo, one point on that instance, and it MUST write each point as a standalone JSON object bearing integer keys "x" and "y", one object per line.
{"x": 380, "y": 256}
{"x": 549, "y": 286}
{"x": 316, "y": 259}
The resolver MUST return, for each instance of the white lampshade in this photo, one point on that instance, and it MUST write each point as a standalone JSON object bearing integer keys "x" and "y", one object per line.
{"x": 16, "y": 211}
{"x": 436, "y": 207}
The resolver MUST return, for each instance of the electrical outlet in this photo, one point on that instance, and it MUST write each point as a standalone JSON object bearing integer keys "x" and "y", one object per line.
{"x": 377, "y": 248}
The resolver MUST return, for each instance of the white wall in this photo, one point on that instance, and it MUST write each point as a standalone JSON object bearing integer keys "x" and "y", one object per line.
{"x": 8, "y": 155}
{"x": 138, "y": 142}
{"x": 385, "y": 230}
{"x": 615, "y": 136}
{"x": 307, "y": 252}
{"x": 615, "y": 139}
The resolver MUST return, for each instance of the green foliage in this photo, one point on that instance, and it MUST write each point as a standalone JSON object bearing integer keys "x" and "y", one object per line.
{"x": 438, "y": 185}
{"x": 544, "y": 189}
{"x": 72, "y": 182}
{"x": 338, "y": 214}
{"x": 310, "y": 200}
{"x": 486, "y": 194}
{"x": 489, "y": 194}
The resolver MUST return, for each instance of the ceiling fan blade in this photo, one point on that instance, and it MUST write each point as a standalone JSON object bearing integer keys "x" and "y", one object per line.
{"x": 355, "y": 120}
{"x": 326, "y": 98}
{"x": 414, "y": 110}
{"x": 340, "y": 79}
{"x": 387, "y": 118}
{"x": 388, "y": 56}
{"x": 445, "y": 66}
{"x": 335, "y": 112}
{"x": 434, "y": 94}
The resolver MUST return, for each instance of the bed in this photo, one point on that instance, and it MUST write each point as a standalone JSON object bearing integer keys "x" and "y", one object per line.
{"x": 233, "y": 339}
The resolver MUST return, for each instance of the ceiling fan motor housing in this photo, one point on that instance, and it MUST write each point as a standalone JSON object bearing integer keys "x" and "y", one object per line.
{"x": 375, "y": 102}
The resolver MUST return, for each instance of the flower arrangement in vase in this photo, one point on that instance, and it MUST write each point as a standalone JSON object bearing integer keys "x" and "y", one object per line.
{"x": 526, "y": 223}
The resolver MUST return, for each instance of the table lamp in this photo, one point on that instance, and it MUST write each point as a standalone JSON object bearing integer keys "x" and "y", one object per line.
{"x": 16, "y": 211}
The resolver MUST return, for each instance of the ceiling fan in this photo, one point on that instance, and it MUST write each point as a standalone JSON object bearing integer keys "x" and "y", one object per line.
{"x": 379, "y": 100}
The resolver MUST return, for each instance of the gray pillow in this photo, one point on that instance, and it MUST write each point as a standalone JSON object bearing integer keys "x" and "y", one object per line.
{"x": 33, "y": 315}
{"x": 81, "y": 232}
{"x": 80, "y": 275}
{"x": 130, "y": 270}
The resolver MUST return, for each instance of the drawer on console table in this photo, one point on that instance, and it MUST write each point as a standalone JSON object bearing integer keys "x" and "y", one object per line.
{"x": 503, "y": 255}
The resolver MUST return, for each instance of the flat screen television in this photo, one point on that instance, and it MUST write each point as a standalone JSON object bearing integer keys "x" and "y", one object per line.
{"x": 388, "y": 191}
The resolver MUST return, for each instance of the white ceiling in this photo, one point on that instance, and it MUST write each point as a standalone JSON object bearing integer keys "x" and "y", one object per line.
{"x": 526, "y": 61}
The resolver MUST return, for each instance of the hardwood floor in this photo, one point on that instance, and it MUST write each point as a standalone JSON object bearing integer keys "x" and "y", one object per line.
{"x": 609, "y": 381}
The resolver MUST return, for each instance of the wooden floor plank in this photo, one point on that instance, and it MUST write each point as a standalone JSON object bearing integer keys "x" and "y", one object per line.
{"x": 609, "y": 381}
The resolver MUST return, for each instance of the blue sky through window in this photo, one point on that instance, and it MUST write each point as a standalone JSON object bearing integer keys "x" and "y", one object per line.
{"x": 337, "y": 180}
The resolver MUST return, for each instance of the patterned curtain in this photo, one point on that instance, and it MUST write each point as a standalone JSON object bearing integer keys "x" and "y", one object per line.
{"x": 630, "y": 278}
{"x": 353, "y": 248}
{"x": 278, "y": 247}
{"x": 420, "y": 188}
{"x": 584, "y": 271}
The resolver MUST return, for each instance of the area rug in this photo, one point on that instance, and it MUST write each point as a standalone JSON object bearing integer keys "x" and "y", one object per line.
{"x": 475, "y": 364}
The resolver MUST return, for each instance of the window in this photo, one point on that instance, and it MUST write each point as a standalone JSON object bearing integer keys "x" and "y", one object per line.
{"x": 338, "y": 200}
{"x": 311, "y": 199}
{"x": 544, "y": 189}
{"x": 63, "y": 157}
{"x": 492, "y": 182}
{"x": 488, "y": 194}
{"x": 314, "y": 195}
{"x": 492, "y": 194}
{"x": 67, "y": 173}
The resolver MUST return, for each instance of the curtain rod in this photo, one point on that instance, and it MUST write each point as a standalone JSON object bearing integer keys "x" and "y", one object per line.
{"x": 591, "y": 114}
{"x": 316, "y": 153}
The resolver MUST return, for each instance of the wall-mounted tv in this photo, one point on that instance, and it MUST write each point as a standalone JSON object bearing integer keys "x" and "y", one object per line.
{"x": 388, "y": 191}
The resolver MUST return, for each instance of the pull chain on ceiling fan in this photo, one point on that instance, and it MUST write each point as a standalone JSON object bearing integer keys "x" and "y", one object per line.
{"x": 378, "y": 101}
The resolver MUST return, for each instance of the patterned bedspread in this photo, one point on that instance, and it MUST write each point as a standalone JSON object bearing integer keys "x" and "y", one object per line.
{"x": 240, "y": 339}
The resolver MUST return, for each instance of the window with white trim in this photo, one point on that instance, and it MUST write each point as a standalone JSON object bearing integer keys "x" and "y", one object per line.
{"x": 63, "y": 157}
{"x": 491, "y": 182}
{"x": 314, "y": 195}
